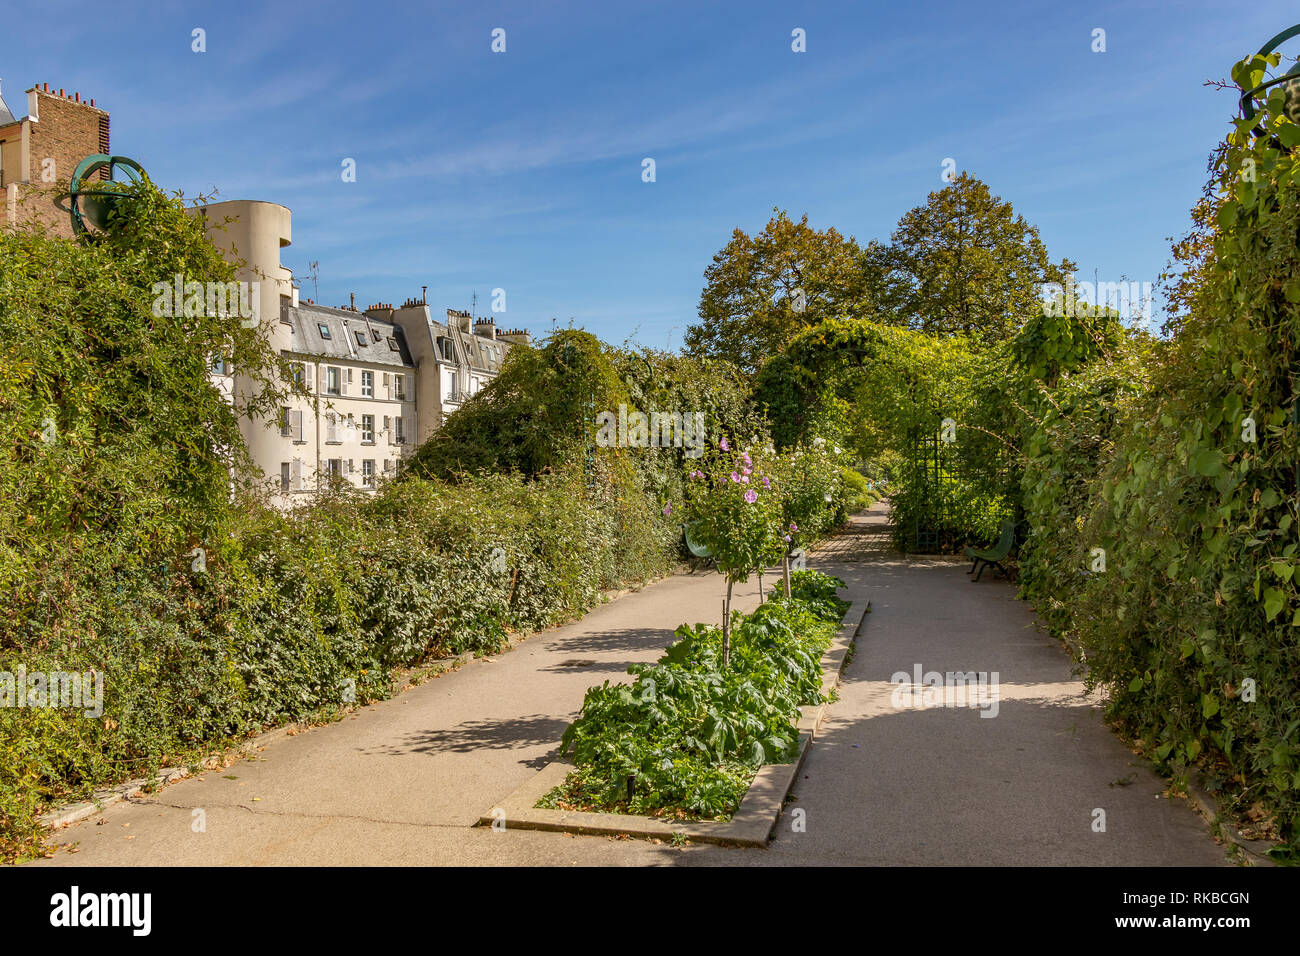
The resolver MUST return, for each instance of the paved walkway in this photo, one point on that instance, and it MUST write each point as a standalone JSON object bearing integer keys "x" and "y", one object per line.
{"x": 403, "y": 781}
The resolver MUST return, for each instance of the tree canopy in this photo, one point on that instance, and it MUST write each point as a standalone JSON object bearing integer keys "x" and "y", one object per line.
{"x": 966, "y": 263}
{"x": 763, "y": 290}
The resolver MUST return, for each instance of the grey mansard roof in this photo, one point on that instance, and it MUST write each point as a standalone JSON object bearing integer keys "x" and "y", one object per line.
{"x": 343, "y": 326}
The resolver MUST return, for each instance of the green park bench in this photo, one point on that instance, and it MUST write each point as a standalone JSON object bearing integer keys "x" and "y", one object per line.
{"x": 984, "y": 557}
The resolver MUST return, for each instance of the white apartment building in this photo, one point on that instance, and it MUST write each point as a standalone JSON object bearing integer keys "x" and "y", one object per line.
{"x": 379, "y": 382}
{"x": 359, "y": 418}
{"x": 453, "y": 359}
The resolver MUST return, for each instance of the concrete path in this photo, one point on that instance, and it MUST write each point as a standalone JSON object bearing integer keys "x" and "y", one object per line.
{"x": 403, "y": 781}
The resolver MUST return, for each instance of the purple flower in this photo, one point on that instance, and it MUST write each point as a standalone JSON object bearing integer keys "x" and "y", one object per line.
{"x": 787, "y": 537}
{"x": 751, "y": 496}
{"x": 766, "y": 483}
{"x": 722, "y": 443}
{"x": 668, "y": 509}
{"x": 735, "y": 477}
{"x": 793, "y": 527}
{"x": 744, "y": 479}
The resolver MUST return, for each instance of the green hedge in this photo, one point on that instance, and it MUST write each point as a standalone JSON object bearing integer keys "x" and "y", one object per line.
{"x": 298, "y": 614}
{"x": 1182, "y": 472}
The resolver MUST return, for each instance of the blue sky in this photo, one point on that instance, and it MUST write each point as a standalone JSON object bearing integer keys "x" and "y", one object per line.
{"x": 522, "y": 170}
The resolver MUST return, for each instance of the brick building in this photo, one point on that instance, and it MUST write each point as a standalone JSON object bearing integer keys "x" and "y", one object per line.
{"x": 39, "y": 153}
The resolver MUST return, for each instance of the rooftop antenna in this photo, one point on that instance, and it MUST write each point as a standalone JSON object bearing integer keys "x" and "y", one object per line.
{"x": 315, "y": 290}
{"x": 474, "y": 302}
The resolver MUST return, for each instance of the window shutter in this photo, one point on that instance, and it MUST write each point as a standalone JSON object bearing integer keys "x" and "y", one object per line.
{"x": 331, "y": 427}
{"x": 344, "y": 380}
{"x": 297, "y": 425}
{"x": 349, "y": 466}
{"x": 388, "y": 428}
{"x": 295, "y": 475}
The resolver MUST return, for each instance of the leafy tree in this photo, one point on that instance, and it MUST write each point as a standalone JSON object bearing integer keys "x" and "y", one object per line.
{"x": 536, "y": 415}
{"x": 965, "y": 263}
{"x": 762, "y": 290}
{"x": 118, "y": 448}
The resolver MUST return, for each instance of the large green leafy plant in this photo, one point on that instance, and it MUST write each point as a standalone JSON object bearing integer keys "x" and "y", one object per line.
{"x": 687, "y": 735}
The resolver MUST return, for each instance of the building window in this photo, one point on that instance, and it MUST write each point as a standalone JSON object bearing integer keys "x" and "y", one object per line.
{"x": 218, "y": 365}
{"x": 392, "y": 343}
{"x": 451, "y": 386}
{"x": 399, "y": 387}
{"x": 368, "y": 472}
{"x": 335, "y": 466}
{"x": 374, "y": 336}
{"x": 284, "y": 476}
{"x": 368, "y": 429}
{"x": 298, "y": 374}
{"x": 444, "y": 348}
{"x": 332, "y": 379}
{"x": 291, "y": 424}
{"x": 368, "y": 384}
{"x": 324, "y": 330}
{"x": 331, "y": 428}
{"x": 361, "y": 339}
{"x": 399, "y": 430}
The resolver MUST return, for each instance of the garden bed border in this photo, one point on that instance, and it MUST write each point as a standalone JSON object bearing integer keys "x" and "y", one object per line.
{"x": 751, "y": 825}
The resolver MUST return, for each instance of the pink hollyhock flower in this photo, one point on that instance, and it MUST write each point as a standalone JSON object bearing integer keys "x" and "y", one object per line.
{"x": 744, "y": 479}
{"x": 751, "y": 496}
{"x": 722, "y": 443}
{"x": 735, "y": 477}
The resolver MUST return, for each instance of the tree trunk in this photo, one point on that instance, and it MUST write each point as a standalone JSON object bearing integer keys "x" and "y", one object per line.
{"x": 726, "y": 629}
{"x": 785, "y": 572}
{"x": 760, "y": 585}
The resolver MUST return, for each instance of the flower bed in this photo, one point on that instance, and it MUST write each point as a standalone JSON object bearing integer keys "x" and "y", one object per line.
{"x": 686, "y": 737}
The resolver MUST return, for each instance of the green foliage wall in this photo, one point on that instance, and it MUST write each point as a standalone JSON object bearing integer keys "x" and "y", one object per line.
{"x": 1186, "y": 479}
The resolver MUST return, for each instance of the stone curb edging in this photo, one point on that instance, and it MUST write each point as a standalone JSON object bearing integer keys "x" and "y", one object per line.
{"x": 1204, "y": 803}
{"x": 751, "y": 825}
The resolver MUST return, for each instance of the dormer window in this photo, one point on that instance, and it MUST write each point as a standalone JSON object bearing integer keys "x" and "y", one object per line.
{"x": 361, "y": 339}
{"x": 324, "y": 330}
